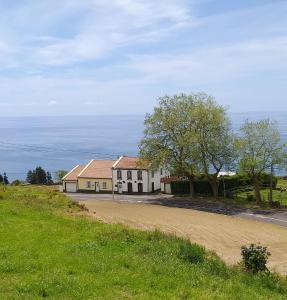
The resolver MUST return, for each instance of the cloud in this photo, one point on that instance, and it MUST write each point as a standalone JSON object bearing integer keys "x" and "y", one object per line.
{"x": 215, "y": 64}
{"x": 117, "y": 56}
{"x": 92, "y": 29}
{"x": 52, "y": 102}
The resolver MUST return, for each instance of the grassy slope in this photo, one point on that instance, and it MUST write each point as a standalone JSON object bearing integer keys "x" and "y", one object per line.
{"x": 47, "y": 252}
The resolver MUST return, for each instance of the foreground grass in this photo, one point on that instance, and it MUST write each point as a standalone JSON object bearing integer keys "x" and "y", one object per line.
{"x": 46, "y": 250}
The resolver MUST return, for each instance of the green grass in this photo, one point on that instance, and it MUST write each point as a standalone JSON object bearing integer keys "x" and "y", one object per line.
{"x": 277, "y": 196}
{"x": 47, "y": 250}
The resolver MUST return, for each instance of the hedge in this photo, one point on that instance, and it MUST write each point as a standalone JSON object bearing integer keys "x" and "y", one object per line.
{"x": 232, "y": 183}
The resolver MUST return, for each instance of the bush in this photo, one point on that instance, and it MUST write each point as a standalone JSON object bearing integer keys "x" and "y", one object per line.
{"x": 16, "y": 182}
{"x": 250, "y": 198}
{"x": 191, "y": 253}
{"x": 231, "y": 183}
{"x": 255, "y": 258}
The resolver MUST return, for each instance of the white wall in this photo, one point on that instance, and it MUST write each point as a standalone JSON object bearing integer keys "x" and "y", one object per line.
{"x": 147, "y": 180}
{"x": 134, "y": 181}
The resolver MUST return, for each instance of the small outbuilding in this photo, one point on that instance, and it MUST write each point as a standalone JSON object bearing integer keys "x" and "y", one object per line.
{"x": 70, "y": 181}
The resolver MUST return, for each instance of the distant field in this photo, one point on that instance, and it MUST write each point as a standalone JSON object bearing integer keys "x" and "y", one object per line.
{"x": 277, "y": 195}
{"x": 47, "y": 249}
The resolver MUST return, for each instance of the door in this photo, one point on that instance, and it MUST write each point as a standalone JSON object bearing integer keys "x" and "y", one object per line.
{"x": 130, "y": 187}
{"x": 140, "y": 187}
{"x": 71, "y": 187}
{"x": 120, "y": 188}
{"x": 152, "y": 187}
{"x": 97, "y": 187}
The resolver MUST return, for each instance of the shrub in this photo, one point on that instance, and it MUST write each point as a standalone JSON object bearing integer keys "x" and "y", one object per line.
{"x": 191, "y": 253}
{"x": 275, "y": 204}
{"x": 255, "y": 258}
{"x": 17, "y": 182}
{"x": 231, "y": 183}
{"x": 250, "y": 198}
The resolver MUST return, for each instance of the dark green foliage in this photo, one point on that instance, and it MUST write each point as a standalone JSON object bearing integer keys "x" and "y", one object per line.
{"x": 49, "y": 178}
{"x": 232, "y": 185}
{"x": 5, "y": 179}
{"x": 250, "y": 198}
{"x": 191, "y": 253}
{"x": 39, "y": 176}
{"x": 16, "y": 182}
{"x": 255, "y": 258}
{"x": 31, "y": 177}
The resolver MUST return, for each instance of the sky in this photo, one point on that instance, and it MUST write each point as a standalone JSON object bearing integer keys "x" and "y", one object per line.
{"x": 90, "y": 57}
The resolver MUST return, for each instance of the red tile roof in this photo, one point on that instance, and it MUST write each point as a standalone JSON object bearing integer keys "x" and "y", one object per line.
{"x": 100, "y": 169}
{"x": 126, "y": 162}
{"x": 73, "y": 174}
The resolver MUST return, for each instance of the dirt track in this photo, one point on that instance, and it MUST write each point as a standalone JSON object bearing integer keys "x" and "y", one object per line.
{"x": 223, "y": 234}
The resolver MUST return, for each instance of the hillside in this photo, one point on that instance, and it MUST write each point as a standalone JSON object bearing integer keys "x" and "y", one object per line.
{"x": 48, "y": 249}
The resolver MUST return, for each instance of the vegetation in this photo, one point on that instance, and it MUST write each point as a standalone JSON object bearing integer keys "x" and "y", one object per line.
{"x": 260, "y": 150}
{"x": 190, "y": 135}
{"x": 279, "y": 195}
{"x": 39, "y": 176}
{"x": 168, "y": 137}
{"x": 4, "y": 179}
{"x": 214, "y": 139}
{"x": 47, "y": 249}
{"x": 228, "y": 186}
{"x": 60, "y": 174}
{"x": 255, "y": 258}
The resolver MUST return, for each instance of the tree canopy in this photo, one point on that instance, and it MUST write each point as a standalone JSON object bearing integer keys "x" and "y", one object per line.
{"x": 260, "y": 150}
{"x": 189, "y": 134}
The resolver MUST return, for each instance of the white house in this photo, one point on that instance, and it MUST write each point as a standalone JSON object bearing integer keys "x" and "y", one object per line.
{"x": 130, "y": 177}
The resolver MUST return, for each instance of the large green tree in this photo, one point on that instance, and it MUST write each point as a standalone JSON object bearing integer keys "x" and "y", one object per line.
{"x": 168, "y": 137}
{"x": 261, "y": 149}
{"x": 214, "y": 138}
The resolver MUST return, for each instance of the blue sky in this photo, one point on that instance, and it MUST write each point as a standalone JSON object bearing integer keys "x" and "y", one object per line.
{"x": 82, "y": 57}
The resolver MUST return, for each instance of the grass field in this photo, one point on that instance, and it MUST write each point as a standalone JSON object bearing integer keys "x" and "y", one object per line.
{"x": 47, "y": 250}
{"x": 277, "y": 196}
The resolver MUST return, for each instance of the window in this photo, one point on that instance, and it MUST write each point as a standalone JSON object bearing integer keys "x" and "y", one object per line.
{"x": 152, "y": 174}
{"x": 104, "y": 185}
{"x": 88, "y": 184}
{"x": 129, "y": 175}
{"x": 119, "y": 175}
{"x": 140, "y": 175}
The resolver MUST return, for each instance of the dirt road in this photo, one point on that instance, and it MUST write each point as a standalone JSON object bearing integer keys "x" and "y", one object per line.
{"x": 223, "y": 234}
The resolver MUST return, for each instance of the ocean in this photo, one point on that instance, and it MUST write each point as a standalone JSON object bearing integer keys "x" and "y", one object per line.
{"x": 62, "y": 142}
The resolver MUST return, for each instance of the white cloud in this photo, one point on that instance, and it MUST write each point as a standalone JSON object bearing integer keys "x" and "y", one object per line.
{"x": 215, "y": 63}
{"x": 99, "y": 27}
{"x": 52, "y": 102}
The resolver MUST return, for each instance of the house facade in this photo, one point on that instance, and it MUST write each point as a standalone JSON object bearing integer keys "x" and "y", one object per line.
{"x": 96, "y": 177}
{"x": 124, "y": 175}
{"x": 129, "y": 177}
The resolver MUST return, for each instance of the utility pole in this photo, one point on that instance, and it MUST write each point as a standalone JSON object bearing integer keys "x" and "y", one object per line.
{"x": 224, "y": 192}
{"x": 113, "y": 191}
{"x": 271, "y": 183}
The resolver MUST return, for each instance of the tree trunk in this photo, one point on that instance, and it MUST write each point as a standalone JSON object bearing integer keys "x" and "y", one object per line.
{"x": 257, "y": 190}
{"x": 191, "y": 187}
{"x": 214, "y": 185}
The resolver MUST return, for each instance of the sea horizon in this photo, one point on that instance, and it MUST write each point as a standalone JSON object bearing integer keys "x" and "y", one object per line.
{"x": 61, "y": 142}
